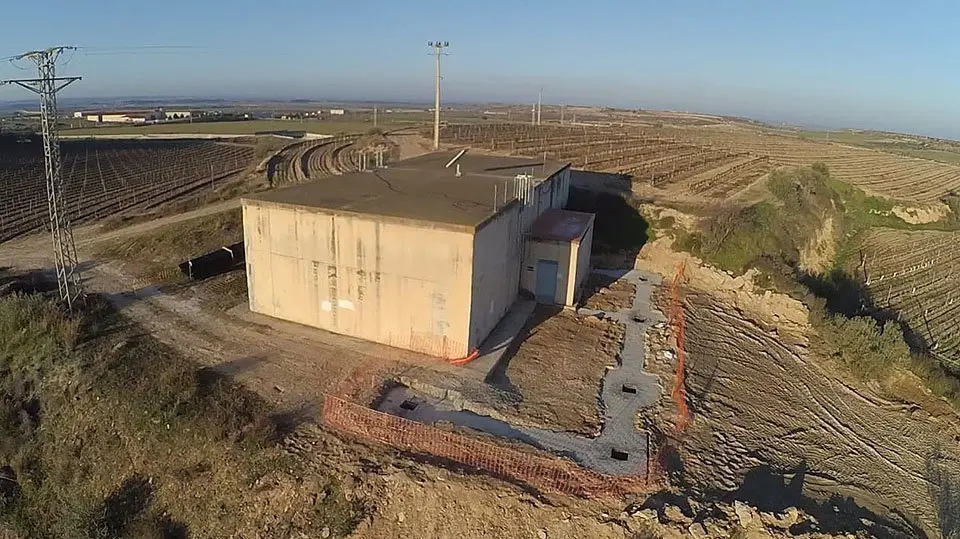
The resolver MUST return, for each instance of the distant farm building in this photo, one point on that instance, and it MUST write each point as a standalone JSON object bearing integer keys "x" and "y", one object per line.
{"x": 133, "y": 116}
{"x": 120, "y": 117}
{"x": 426, "y": 255}
{"x": 175, "y": 114}
{"x": 337, "y": 112}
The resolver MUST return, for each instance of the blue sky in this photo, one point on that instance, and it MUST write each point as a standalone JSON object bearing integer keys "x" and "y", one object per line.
{"x": 872, "y": 64}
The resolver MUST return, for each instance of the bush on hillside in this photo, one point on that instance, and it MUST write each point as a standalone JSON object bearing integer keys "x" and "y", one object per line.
{"x": 869, "y": 349}
{"x": 769, "y": 233}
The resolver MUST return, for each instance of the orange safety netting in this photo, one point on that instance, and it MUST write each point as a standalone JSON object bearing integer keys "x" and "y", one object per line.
{"x": 542, "y": 471}
{"x": 679, "y": 393}
{"x": 466, "y": 359}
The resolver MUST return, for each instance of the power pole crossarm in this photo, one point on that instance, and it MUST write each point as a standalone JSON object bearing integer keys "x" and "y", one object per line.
{"x": 46, "y": 85}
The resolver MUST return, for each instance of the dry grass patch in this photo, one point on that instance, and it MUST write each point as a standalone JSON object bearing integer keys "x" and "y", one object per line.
{"x": 603, "y": 295}
{"x": 106, "y": 433}
{"x": 157, "y": 253}
{"x": 558, "y": 367}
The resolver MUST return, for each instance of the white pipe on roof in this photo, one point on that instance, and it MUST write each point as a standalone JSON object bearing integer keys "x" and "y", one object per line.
{"x": 458, "y": 156}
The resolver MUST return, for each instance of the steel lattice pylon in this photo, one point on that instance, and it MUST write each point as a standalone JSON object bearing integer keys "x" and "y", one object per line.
{"x": 46, "y": 85}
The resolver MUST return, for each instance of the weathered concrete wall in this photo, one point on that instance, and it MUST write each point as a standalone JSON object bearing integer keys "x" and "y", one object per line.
{"x": 552, "y": 193}
{"x": 378, "y": 279}
{"x": 581, "y": 252}
{"x": 497, "y": 250}
{"x": 558, "y": 251}
{"x": 573, "y": 265}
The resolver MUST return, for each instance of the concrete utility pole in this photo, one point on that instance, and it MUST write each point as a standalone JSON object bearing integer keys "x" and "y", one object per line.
{"x": 539, "y": 105}
{"x": 46, "y": 85}
{"x": 374, "y": 115}
{"x": 438, "y": 47}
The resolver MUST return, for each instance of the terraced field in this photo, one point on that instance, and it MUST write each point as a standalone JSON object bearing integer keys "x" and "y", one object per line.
{"x": 104, "y": 178}
{"x": 314, "y": 159}
{"x": 880, "y": 172}
{"x": 712, "y": 162}
{"x": 657, "y": 162}
{"x": 915, "y": 274}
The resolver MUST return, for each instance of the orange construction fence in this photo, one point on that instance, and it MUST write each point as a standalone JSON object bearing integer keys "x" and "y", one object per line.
{"x": 542, "y": 472}
{"x": 679, "y": 393}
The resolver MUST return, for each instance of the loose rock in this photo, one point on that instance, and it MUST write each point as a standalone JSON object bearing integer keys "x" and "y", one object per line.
{"x": 697, "y": 530}
{"x": 744, "y": 513}
{"x": 674, "y": 514}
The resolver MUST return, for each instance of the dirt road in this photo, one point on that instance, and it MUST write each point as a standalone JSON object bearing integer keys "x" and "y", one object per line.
{"x": 283, "y": 362}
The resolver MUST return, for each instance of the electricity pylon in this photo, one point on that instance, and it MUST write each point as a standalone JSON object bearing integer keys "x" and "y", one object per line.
{"x": 46, "y": 85}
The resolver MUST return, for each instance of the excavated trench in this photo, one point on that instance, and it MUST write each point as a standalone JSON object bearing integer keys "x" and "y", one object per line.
{"x": 618, "y": 449}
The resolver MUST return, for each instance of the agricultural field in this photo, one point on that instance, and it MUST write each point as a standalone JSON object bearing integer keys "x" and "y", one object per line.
{"x": 915, "y": 274}
{"x": 106, "y": 178}
{"x": 933, "y": 149}
{"x": 314, "y": 159}
{"x": 718, "y": 161}
{"x": 250, "y": 127}
{"x": 658, "y": 163}
{"x": 880, "y": 172}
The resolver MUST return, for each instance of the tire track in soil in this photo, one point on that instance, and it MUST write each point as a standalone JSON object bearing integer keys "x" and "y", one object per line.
{"x": 759, "y": 398}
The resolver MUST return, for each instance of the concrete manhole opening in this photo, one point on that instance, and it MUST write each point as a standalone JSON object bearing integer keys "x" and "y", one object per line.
{"x": 409, "y": 405}
{"x": 616, "y": 454}
{"x": 629, "y": 388}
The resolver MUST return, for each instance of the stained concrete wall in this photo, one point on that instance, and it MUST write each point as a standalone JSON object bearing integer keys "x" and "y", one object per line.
{"x": 386, "y": 280}
{"x": 497, "y": 251}
{"x": 552, "y": 193}
{"x": 582, "y": 253}
{"x": 557, "y": 251}
{"x": 573, "y": 265}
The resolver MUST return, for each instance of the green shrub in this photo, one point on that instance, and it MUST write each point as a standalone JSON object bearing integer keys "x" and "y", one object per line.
{"x": 869, "y": 349}
{"x": 769, "y": 233}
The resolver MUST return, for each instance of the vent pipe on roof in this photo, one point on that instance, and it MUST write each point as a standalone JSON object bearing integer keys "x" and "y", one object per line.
{"x": 456, "y": 157}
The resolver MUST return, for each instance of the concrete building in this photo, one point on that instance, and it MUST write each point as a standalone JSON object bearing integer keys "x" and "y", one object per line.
{"x": 557, "y": 257}
{"x": 424, "y": 255}
{"x": 337, "y": 112}
{"x": 125, "y": 117}
{"x": 176, "y": 114}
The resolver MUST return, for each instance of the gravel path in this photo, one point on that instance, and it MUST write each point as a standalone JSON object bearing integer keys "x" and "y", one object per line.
{"x": 619, "y": 449}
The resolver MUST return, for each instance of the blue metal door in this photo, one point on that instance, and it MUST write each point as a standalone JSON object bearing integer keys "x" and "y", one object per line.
{"x": 546, "y": 290}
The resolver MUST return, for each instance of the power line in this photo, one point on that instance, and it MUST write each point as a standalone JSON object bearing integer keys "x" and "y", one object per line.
{"x": 141, "y": 47}
{"x": 46, "y": 85}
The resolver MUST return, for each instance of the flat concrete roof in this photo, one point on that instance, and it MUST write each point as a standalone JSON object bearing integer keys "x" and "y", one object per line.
{"x": 561, "y": 225}
{"x": 420, "y": 188}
